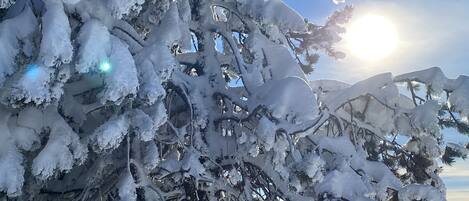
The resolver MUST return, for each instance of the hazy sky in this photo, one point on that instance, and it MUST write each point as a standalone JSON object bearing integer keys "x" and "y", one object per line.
{"x": 431, "y": 33}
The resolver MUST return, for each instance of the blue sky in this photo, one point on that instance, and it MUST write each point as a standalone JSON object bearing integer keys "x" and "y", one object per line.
{"x": 431, "y": 33}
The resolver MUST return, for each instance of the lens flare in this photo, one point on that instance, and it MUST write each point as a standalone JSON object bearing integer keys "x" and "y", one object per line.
{"x": 105, "y": 66}
{"x": 32, "y": 71}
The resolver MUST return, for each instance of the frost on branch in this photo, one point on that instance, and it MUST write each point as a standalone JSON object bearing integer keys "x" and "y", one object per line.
{"x": 127, "y": 188}
{"x": 63, "y": 149}
{"x": 120, "y": 8}
{"x": 151, "y": 88}
{"x": 55, "y": 45}
{"x": 11, "y": 161}
{"x": 109, "y": 135}
{"x": 36, "y": 84}
{"x": 10, "y": 34}
{"x": 143, "y": 125}
{"x": 152, "y": 156}
{"x": 121, "y": 80}
{"x": 172, "y": 28}
{"x": 6, "y": 3}
{"x": 95, "y": 46}
{"x": 155, "y": 65}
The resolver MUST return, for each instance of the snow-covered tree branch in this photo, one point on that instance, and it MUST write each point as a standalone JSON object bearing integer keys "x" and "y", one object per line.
{"x": 208, "y": 100}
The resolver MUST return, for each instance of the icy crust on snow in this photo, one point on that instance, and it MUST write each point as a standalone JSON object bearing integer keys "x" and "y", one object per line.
{"x": 95, "y": 46}
{"x": 325, "y": 86}
{"x": 438, "y": 82}
{"x": 273, "y": 12}
{"x": 63, "y": 149}
{"x": 122, "y": 78}
{"x": 276, "y": 80}
{"x": 419, "y": 122}
{"x": 424, "y": 118}
{"x": 352, "y": 176}
{"x": 380, "y": 87}
{"x": 425, "y": 145}
{"x": 373, "y": 101}
{"x": 55, "y": 45}
{"x": 283, "y": 100}
{"x": 432, "y": 77}
{"x": 420, "y": 192}
{"x": 272, "y": 60}
{"x": 459, "y": 98}
{"x": 10, "y": 33}
{"x": 387, "y": 105}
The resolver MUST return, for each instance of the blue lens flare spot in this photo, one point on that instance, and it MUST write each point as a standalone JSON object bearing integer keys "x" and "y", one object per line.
{"x": 32, "y": 71}
{"x": 105, "y": 66}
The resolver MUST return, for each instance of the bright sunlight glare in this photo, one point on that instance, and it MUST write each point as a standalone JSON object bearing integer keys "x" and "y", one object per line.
{"x": 371, "y": 37}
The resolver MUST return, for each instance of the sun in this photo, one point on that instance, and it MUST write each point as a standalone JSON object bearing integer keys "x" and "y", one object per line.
{"x": 372, "y": 37}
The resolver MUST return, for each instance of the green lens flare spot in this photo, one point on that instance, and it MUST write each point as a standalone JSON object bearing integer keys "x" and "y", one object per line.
{"x": 105, "y": 66}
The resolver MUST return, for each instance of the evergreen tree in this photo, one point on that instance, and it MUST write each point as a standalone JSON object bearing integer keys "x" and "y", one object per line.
{"x": 208, "y": 100}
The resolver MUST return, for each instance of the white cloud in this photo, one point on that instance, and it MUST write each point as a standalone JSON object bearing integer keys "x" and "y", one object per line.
{"x": 459, "y": 169}
{"x": 457, "y": 195}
